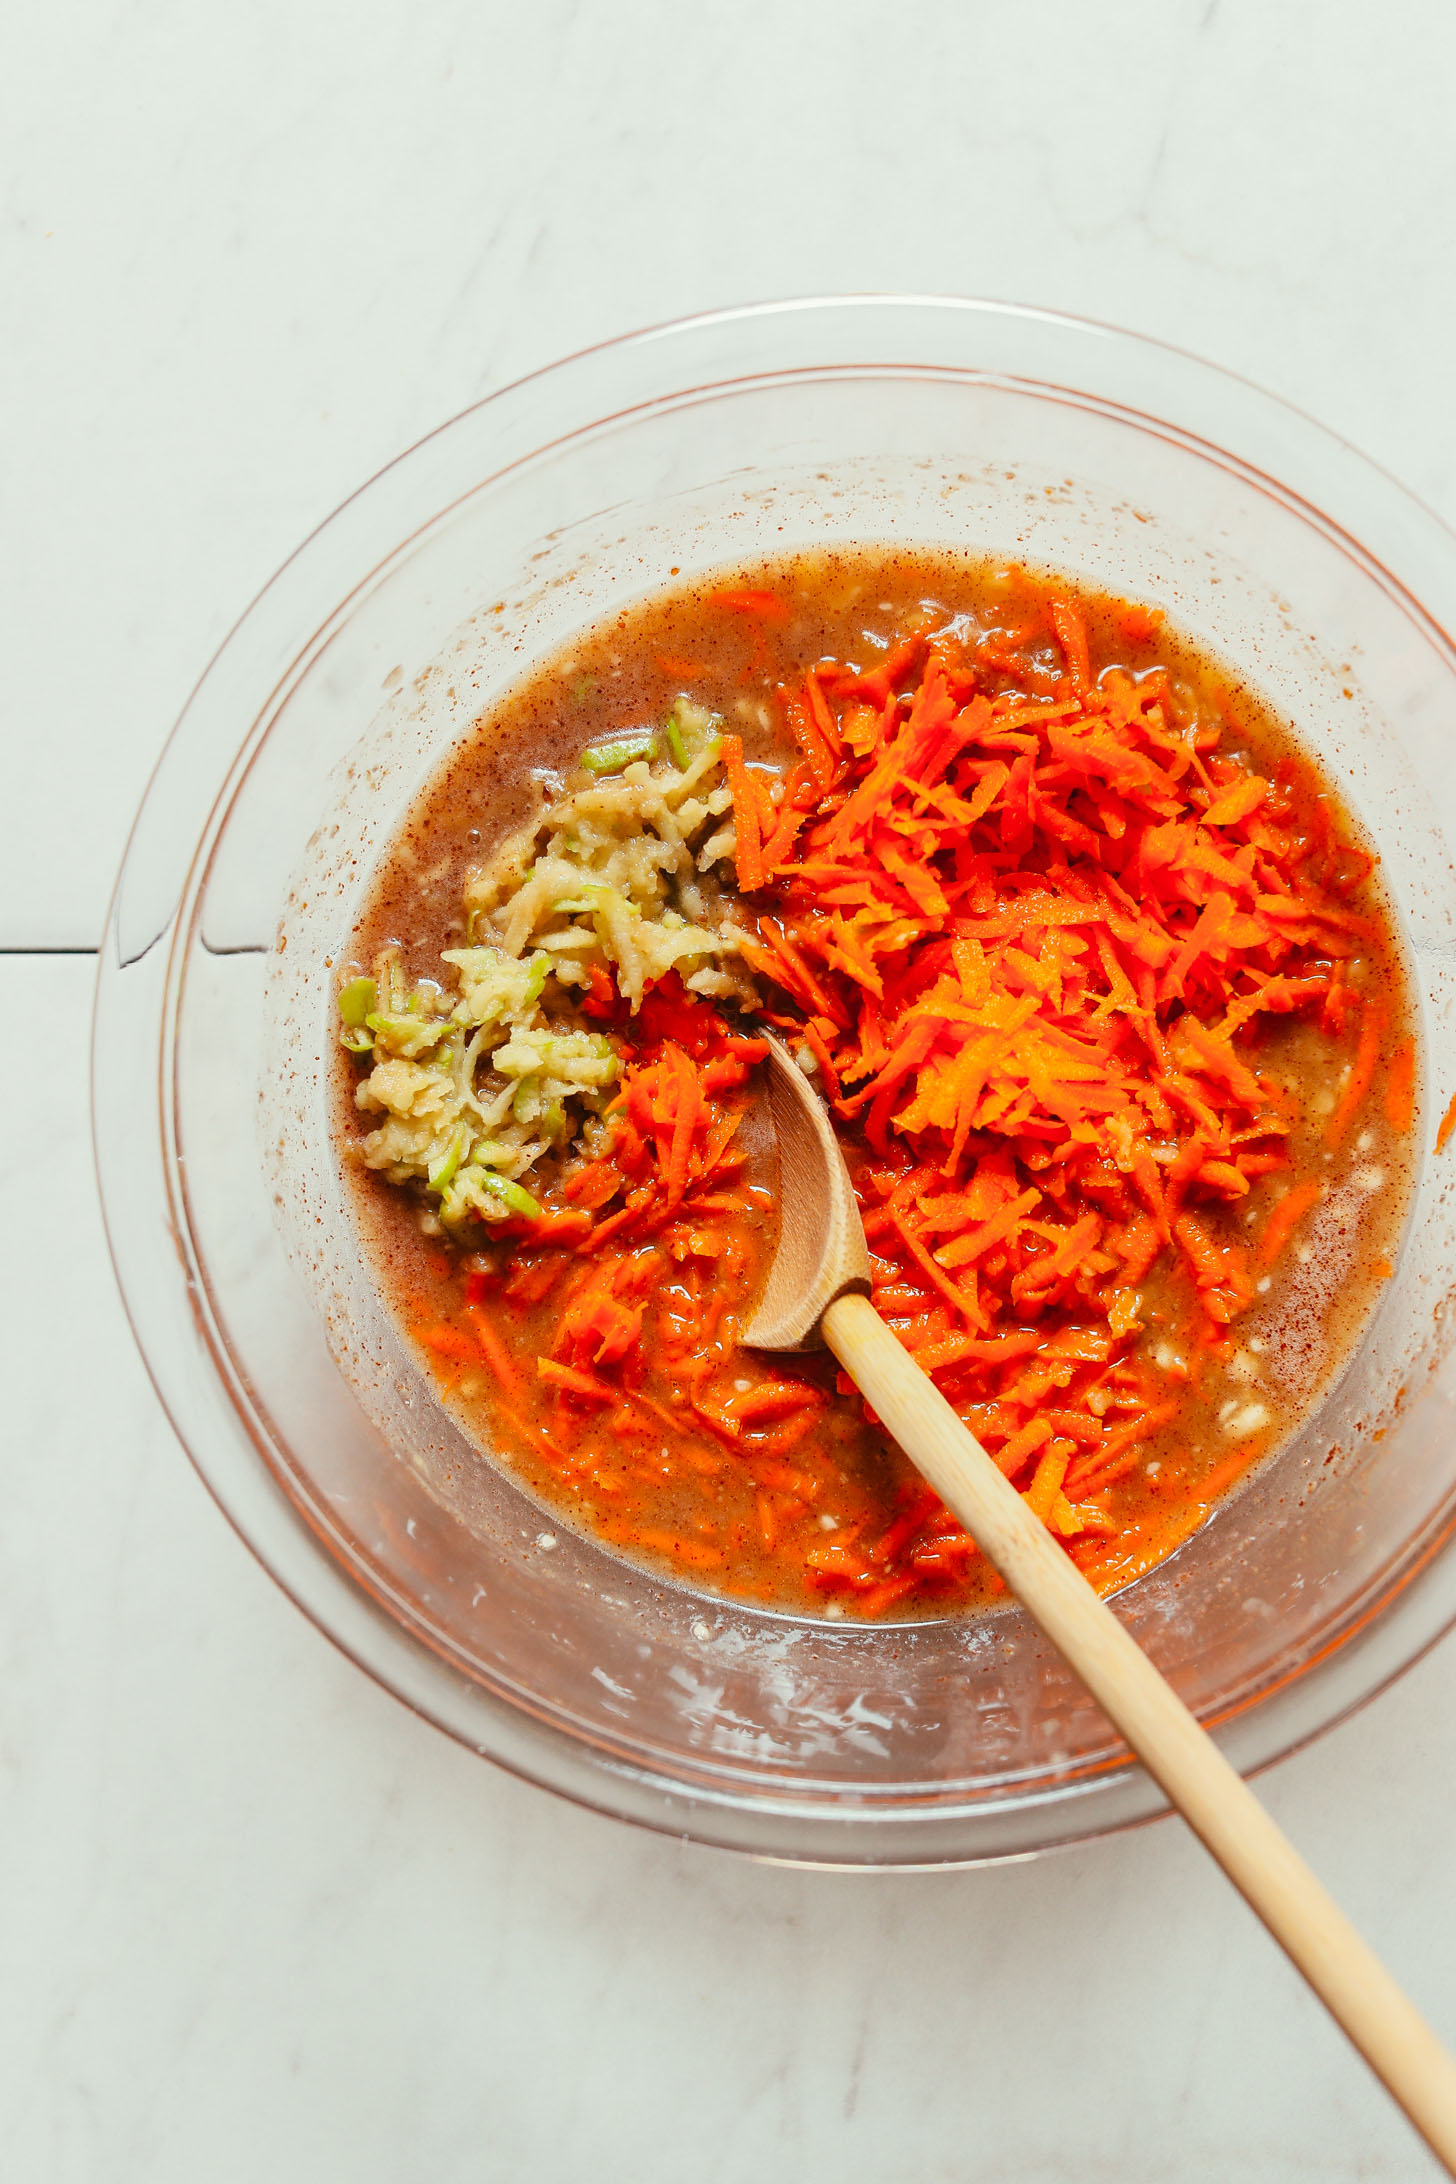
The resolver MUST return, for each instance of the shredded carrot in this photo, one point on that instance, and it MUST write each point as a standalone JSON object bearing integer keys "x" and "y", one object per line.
{"x": 1400, "y": 1086}
{"x": 1127, "y": 1438}
{"x": 501, "y": 1364}
{"x": 812, "y": 727}
{"x": 687, "y": 1113}
{"x": 765, "y": 604}
{"x": 449, "y": 1342}
{"x": 1216, "y": 1482}
{"x": 1448, "y": 1124}
{"x": 1021, "y": 1445}
{"x": 748, "y": 854}
{"x": 1051, "y": 1469}
{"x": 1362, "y": 1074}
{"x": 1106, "y": 1474}
{"x": 1072, "y": 637}
{"x": 1236, "y": 803}
{"x": 1290, "y": 1210}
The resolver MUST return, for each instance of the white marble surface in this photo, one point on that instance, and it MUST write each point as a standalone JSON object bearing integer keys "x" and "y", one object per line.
{"x": 257, "y": 1921}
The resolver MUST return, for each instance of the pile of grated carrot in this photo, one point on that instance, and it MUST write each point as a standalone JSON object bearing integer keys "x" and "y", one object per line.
{"x": 1026, "y": 930}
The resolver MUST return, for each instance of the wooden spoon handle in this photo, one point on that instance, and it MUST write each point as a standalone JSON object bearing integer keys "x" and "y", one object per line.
{"x": 1215, "y": 1801}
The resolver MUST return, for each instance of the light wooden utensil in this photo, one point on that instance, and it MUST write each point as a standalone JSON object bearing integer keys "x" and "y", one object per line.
{"x": 818, "y": 1292}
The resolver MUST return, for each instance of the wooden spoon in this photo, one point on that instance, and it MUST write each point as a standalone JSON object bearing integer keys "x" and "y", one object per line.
{"x": 818, "y": 1293}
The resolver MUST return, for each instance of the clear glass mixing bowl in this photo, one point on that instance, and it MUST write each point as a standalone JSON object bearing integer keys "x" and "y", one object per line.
{"x": 535, "y": 513}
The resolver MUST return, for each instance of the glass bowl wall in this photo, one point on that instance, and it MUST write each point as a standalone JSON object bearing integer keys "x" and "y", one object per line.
{"x": 533, "y": 515}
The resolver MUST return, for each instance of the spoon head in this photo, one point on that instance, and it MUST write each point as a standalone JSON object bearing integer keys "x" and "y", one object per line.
{"x": 821, "y": 1252}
